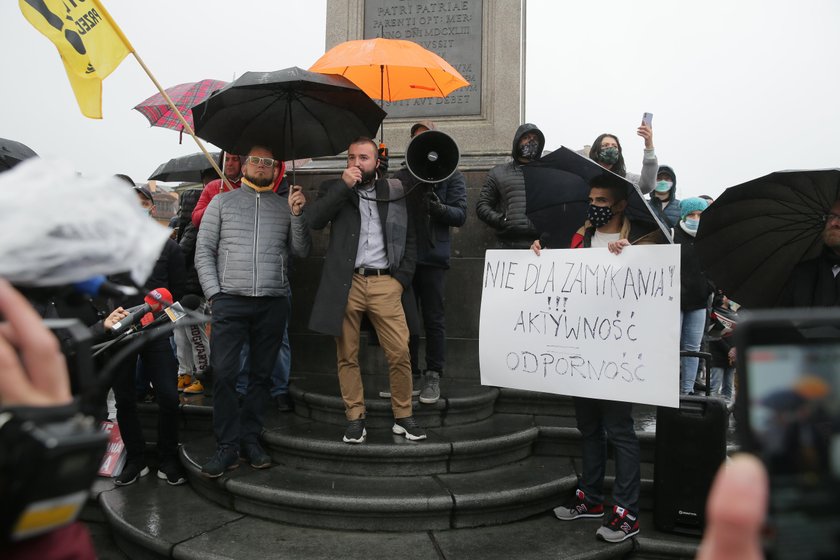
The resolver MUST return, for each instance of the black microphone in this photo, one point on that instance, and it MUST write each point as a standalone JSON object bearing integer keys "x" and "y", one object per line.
{"x": 135, "y": 314}
{"x": 545, "y": 239}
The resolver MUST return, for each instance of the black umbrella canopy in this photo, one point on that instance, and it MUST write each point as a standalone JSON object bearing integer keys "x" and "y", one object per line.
{"x": 185, "y": 168}
{"x": 557, "y": 193}
{"x": 13, "y": 152}
{"x": 754, "y": 234}
{"x": 293, "y": 112}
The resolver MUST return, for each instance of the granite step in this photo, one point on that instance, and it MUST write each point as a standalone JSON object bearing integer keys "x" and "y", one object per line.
{"x": 303, "y": 443}
{"x": 151, "y": 519}
{"x": 496, "y": 495}
{"x": 317, "y": 396}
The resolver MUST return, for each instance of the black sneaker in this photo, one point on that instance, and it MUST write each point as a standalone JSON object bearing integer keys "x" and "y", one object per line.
{"x": 284, "y": 402}
{"x": 409, "y": 428}
{"x": 578, "y": 508}
{"x": 255, "y": 455}
{"x": 431, "y": 387}
{"x": 131, "y": 472}
{"x": 225, "y": 459}
{"x": 355, "y": 432}
{"x": 172, "y": 472}
{"x": 620, "y": 525}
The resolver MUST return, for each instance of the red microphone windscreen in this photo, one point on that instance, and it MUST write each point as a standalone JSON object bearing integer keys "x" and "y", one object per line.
{"x": 147, "y": 318}
{"x": 158, "y": 298}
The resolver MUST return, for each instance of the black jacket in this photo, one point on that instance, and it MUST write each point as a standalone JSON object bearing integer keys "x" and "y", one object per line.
{"x": 433, "y": 236}
{"x": 338, "y": 207}
{"x": 812, "y": 284}
{"x": 695, "y": 288}
{"x": 501, "y": 202}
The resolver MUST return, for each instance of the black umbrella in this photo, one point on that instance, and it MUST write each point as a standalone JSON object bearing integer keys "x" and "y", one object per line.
{"x": 755, "y": 233}
{"x": 12, "y": 153}
{"x": 293, "y": 112}
{"x": 557, "y": 192}
{"x": 185, "y": 168}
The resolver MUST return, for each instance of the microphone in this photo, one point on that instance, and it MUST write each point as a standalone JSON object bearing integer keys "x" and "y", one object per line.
{"x": 101, "y": 286}
{"x": 158, "y": 298}
{"x": 173, "y": 313}
{"x": 153, "y": 302}
{"x": 545, "y": 239}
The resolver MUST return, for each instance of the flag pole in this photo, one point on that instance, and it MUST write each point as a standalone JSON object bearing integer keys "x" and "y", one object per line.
{"x": 181, "y": 118}
{"x": 186, "y": 125}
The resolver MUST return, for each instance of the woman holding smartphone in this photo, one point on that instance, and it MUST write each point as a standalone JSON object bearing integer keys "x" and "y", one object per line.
{"x": 606, "y": 151}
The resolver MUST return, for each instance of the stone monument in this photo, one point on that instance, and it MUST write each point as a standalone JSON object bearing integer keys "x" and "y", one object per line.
{"x": 482, "y": 39}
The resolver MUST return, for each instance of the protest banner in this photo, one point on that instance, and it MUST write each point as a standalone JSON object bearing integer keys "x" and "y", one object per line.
{"x": 583, "y": 323}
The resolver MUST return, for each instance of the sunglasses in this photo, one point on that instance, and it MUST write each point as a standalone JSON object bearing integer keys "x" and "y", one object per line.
{"x": 266, "y": 161}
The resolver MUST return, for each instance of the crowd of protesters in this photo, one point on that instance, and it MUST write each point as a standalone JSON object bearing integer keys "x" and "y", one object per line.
{"x": 387, "y": 254}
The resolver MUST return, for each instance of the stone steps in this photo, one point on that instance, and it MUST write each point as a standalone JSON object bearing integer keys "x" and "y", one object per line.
{"x": 151, "y": 520}
{"x": 499, "y": 494}
{"x": 303, "y": 443}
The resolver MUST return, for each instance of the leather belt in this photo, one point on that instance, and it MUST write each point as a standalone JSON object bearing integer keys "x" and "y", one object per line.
{"x": 372, "y": 271}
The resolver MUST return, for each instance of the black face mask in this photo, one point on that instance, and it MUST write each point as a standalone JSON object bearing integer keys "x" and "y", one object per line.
{"x": 599, "y": 215}
{"x": 529, "y": 150}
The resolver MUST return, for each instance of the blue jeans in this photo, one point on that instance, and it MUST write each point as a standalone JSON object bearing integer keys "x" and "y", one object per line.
{"x": 237, "y": 319}
{"x": 691, "y": 336}
{"x": 598, "y": 421}
{"x": 723, "y": 382}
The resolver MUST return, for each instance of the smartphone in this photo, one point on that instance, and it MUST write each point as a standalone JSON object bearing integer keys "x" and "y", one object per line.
{"x": 647, "y": 119}
{"x": 788, "y": 414}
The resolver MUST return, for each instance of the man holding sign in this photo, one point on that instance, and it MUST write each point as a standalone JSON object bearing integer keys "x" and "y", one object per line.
{"x": 599, "y": 420}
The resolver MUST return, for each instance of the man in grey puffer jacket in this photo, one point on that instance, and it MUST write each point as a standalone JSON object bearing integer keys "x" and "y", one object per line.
{"x": 242, "y": 257}
{"x": 501, "y": 202}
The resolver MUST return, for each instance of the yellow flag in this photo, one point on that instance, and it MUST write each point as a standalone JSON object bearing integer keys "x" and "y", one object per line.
{"x": 89, "y": 42}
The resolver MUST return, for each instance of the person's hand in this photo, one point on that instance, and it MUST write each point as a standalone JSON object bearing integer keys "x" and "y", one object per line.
{"x": 352, "y": 176}
{"x": 536, "y": 247}
{"x": 616, "y": 247}
{"x": 116, "y": 316}
{"x": 646, "y": 132}
{"x": 34, "y": 372}
{"x": 735, "y": 511}
{"x": 732, "y": 355}
{"x": 383, "y": 162}
{"x": 296, "y": 200}
{"x": 436, "y": 207}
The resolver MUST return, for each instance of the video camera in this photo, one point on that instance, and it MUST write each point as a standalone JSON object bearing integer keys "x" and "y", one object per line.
{"x": 50, "y": 456}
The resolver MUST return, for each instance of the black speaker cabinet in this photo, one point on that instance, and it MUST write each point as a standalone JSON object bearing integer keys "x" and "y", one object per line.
{"x": 690, "y": 447}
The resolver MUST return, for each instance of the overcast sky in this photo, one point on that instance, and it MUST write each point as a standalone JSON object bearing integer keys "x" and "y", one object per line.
{"x": 737, "y": 88}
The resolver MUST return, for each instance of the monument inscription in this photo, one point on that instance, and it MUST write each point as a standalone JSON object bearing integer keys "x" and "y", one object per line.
{"x": 451, "y": 29}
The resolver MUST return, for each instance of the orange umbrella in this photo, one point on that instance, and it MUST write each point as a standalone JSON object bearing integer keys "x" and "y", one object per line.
{"x": 391, "y": 69}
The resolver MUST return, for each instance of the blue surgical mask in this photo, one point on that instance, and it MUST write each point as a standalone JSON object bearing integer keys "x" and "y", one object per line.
{"x": 664, "y": 186}
{"x": 691, "y": 224}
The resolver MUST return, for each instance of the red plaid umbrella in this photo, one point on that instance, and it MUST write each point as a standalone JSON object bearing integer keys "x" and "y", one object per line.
{"x": 185, "y": 96}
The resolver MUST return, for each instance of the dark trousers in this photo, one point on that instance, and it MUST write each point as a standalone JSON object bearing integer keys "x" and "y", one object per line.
{"x": 160, "y": 364}
{"x": 428, "y": 287}
{"x": 235, "y": 320}
{"x": 598, "y": 421}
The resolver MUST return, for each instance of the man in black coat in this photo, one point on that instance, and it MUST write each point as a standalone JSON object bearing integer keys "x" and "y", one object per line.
{"x": 501, "y": 202}
{"x": 369, "y": 262}
{"x": 435, "y": 208}
{"x": 814, "y": 283}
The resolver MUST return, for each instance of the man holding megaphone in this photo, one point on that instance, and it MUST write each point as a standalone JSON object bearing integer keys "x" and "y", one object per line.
{"x": 438, "y": 203}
